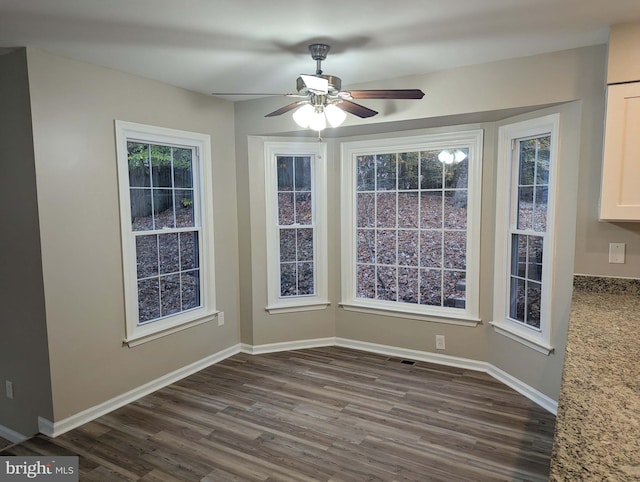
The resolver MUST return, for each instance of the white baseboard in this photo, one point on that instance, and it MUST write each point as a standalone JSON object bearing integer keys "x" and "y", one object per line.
{"x": 53, "y": 429}
{"x": 287, "y": 345}
{"x": 12, "y": 435}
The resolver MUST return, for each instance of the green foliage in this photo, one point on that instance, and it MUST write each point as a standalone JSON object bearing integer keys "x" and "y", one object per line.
{"x": 144, "y": 155}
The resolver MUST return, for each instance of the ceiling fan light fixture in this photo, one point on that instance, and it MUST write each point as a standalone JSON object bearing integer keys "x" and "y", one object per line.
{"x": 302, "y": 115}
{"x": 318, "y": 120}
{"x": 335, "y": 115}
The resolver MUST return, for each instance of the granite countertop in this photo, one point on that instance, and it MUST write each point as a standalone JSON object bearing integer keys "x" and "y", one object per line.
{"x": 598, "y": 423}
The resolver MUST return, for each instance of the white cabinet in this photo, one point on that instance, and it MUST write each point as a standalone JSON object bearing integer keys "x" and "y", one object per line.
{"x": 620, "y": 191}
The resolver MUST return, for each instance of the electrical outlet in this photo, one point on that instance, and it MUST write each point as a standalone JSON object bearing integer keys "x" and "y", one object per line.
{"x": 221, "y": 318}
{"x": 9, "y": 389}
{"x": 439, "y": 342}
{"x": 616, "y": 253}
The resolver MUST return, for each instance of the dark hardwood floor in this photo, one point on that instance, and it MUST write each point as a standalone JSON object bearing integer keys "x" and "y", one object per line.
{"x": 324, "y": 414}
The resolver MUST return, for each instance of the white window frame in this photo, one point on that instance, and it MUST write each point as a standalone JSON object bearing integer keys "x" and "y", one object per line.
{"x": 508, "y": 135}
{"x": 471, "y": 139}
{"x": 136, "y": 333}
{"x": 318, "y": 152}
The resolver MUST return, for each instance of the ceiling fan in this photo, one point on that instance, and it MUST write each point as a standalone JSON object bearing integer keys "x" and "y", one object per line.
{"x": 323, "y": 100}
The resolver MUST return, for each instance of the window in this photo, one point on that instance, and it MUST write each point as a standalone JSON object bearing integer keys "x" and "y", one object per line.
{"x": 167, "y": 231}
{"x": 296, "y": 226}
{"x": 527, "y": 161}
{"x": 411, "y": 226}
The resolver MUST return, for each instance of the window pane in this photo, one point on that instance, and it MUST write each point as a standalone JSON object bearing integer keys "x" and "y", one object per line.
{"x": 168, "y": 253}
{"x": 534, "y": 258}
{"x": 190, "y": 289}
{"x": 161, "y": 157}
{"x": 527, "y": 162}
{"x": 286, "y": 213}
{"x": 365, "y": 173}
{"x": 182, "y": 168}
{"x": 408, "y": 170}
{"x": 287, "y": 245}
{"x": 456, "y": 174}
{"x": 454, "y": 289}
{"x": 386, "y": 283}
{"x": 455, "y": 209}
{"x": 408, "y": 248}
{"x": 305, "y": 279}
{"x": 385, "y": 172}
{"x": 302, "y": 174}
{"x": 366, "y": 281}
{"x": 285, "y": 173}
{"x": 305, "y": 244}
{"x": 138, "y": 160}
{"x": 525, "y": 208}
{"x": 431, "y": 249}
{"x": 408, "y": 209}
{"x": 431, "y": 287}
{"x": 408, "y": 285}
{"x": 430, "y": 171}
{"x": 386, "y": 210}
{"x": 170, "y": 294}
{"x": 431, "y": 210}
{"x": 189, "y": 250}
{"x": 184, "y": 208}
{"x": 534, "y": 295}
{"x": 544, "y": 157}
{"x": 148, "y": 300}
{"x": 366, "y": 245}
{"x": 288, "y": 279}
{"x": 141, "y": 219}
{"x": 303, "y": 208}
{"x": 540, "y": 209}
{"x": 386, "y": 246}
{"x": 366, "y": 210}
{"x": 163, "y": 209}
{"x": 517, "y": 299}
{"x": 455, "y": 249}
{"x": 147, "y": 255}
{"x": 519, "y": 255}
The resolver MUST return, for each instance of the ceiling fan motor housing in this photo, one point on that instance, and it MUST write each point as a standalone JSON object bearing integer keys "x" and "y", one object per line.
{"x": 335, "y": 84}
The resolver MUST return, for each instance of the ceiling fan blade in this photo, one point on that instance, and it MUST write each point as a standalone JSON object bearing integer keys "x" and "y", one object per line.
{"x": 356, "y": 109}
{"x": 285, "y": 109}
{"x": 316, "y": 84}
{"x": 264, "y": 94}
{"x": 387, "y": 94}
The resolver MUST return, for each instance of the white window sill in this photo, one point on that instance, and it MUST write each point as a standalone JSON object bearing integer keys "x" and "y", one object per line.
{"x": 139, "y": 339}
{"x": 532, "y": 342}
{"x": 462, "y": 319}
{"x": 292, "y": 308}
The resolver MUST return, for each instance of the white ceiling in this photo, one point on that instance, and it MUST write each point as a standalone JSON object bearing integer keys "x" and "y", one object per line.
{"x": 261, "y": 45}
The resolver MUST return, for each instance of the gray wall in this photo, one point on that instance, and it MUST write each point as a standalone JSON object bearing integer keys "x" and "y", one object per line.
{"x": 74, "y": 105}
{"x": 24, "y": 356}
{"x": 480, "y": 95}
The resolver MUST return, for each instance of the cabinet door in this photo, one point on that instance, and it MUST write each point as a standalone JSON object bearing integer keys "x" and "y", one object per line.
{"x": 620, "y": 191}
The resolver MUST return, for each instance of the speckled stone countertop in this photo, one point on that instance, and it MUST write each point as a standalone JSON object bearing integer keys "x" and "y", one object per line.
{"x": 598, "y": 423}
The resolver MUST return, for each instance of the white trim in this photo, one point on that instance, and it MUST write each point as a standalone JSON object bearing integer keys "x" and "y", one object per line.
{"x": 308, "y": 306}
{"x": 539, "y": 340}
{"x": 473, "y": 140}
{"x": 522, "y": 336}
{"x": 450, "y": 318}
{"x": 287, "y": 346}
{"x": 203, "y": 196}
{"x": 140, "y": 339}
{"x": 53, "y": 429}
{"x": 12, "y": 435}
{"x": 318, "y": 152}
{"x": 539, "y": 398}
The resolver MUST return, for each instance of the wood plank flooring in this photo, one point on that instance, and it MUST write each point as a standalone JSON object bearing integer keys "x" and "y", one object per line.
{"x": 325, "y": 414}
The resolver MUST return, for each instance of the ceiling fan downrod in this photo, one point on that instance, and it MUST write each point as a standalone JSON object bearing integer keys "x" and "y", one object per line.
{"x": 319, "y": 53}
